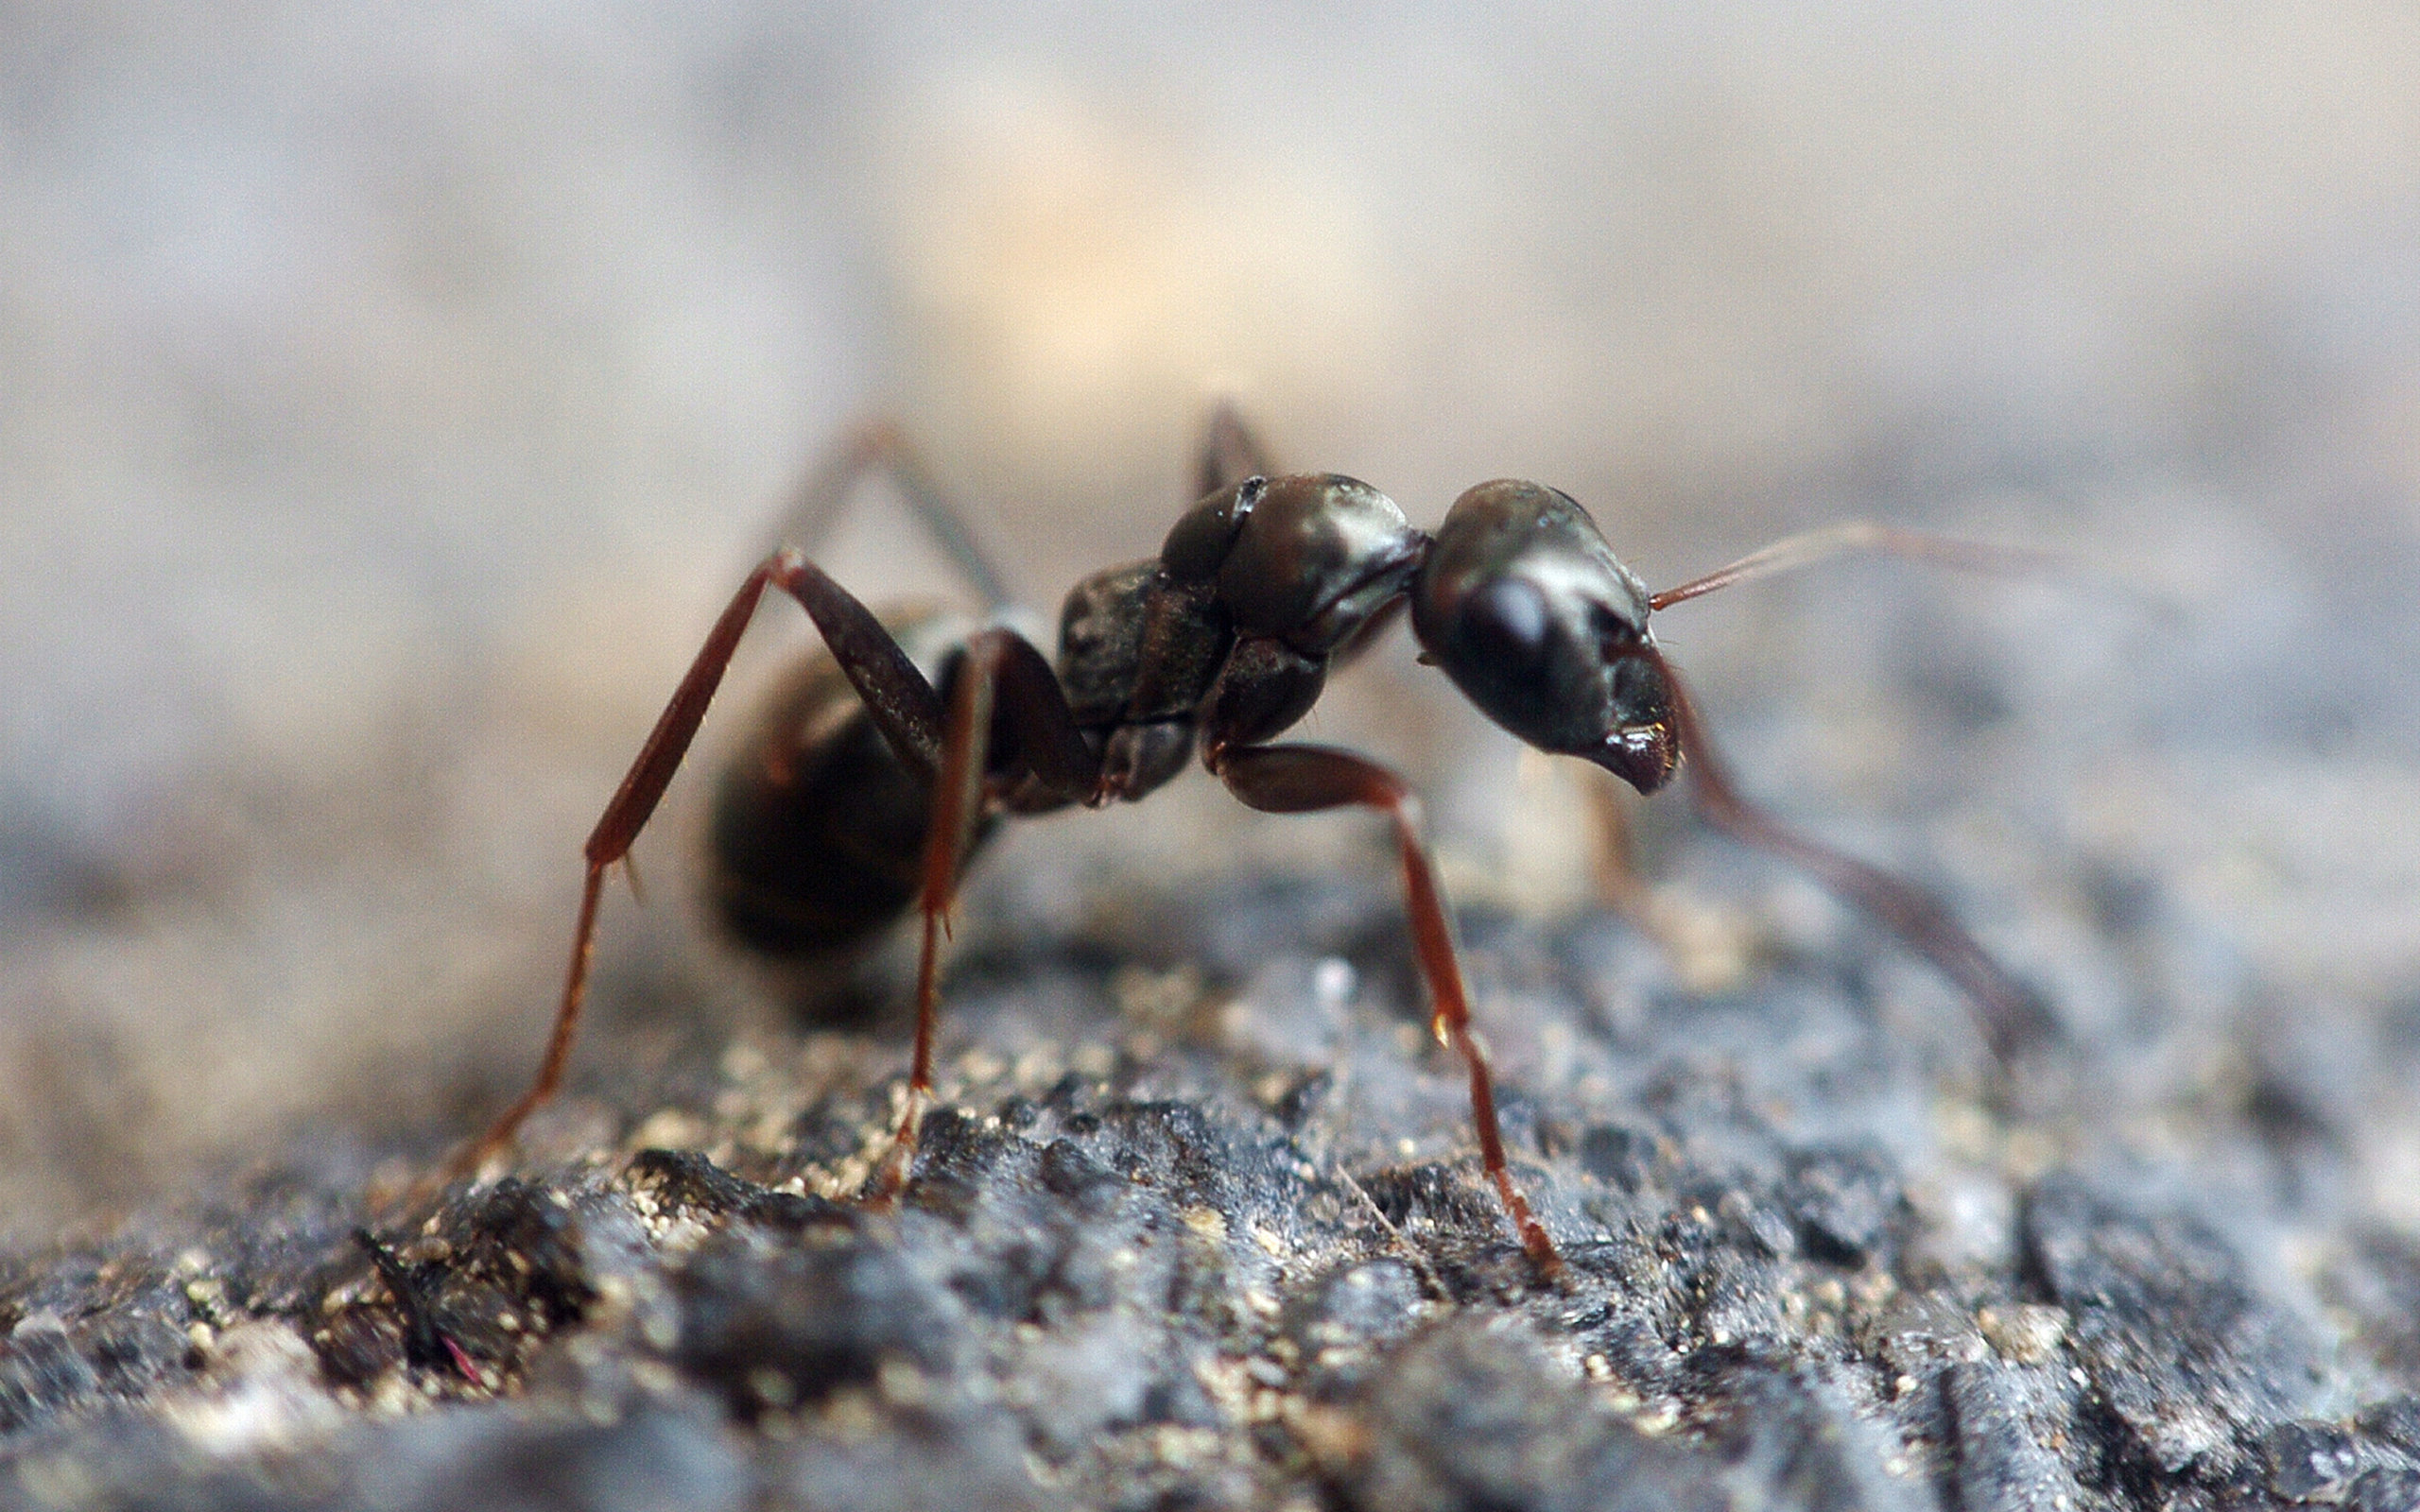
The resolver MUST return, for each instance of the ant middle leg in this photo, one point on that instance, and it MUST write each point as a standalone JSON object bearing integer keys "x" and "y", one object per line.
{"x": 1310, "y": 779}
{"x": 999, "y": 686}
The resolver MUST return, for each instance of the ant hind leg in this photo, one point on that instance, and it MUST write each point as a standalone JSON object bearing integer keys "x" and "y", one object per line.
{"x": 904, "y": 705}
{"x": 880, "y": 448}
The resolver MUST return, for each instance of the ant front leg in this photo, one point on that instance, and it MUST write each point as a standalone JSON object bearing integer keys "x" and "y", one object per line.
{"x": 903, "y": 705}
{"x": 999, "y": 682}
{"x": 2013, "y": 1017}
{"x": 1310, "y": 779}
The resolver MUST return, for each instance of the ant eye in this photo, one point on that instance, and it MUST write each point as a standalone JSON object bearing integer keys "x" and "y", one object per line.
{"x": 1507, "y": 617}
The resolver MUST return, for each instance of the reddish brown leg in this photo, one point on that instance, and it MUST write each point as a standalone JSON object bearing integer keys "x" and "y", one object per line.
{"x": 905, "y": 708}
{"x": 1000, "y": 672}
{"x": 2013, "y": 1017}
{"x": 1230, "y": 452}
{"x": 958, "y": 798}
{"x": 881, "y": 448}
{"x": 1308, "y": 779}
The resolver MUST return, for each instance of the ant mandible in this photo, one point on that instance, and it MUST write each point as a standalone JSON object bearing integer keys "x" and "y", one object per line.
{"x": 900, "y": 742}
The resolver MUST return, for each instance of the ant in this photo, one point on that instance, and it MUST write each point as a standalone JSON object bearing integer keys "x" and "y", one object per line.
{"x": 886, "y": 760}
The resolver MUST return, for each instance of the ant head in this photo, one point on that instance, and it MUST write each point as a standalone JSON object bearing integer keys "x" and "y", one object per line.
{"x": 1525, "y": 607}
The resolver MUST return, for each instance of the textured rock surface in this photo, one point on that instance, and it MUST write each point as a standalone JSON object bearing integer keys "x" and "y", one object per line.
{"x": 1197, "y": 1223}
{"x": 1197, "y": 1226}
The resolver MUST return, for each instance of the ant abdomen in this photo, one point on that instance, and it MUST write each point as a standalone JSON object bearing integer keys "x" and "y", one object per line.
{"x": 817, "y": 826}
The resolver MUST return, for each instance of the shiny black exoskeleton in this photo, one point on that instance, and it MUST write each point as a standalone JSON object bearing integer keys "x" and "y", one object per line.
{"x": 1227, "y": 637}
{"x": 882, "y": 765}
{"x": 1525, "y": 607}
{"x": 1222, "y": 642}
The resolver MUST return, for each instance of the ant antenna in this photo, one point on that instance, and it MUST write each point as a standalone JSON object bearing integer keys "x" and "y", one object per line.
{"x": 1792, "y": 553}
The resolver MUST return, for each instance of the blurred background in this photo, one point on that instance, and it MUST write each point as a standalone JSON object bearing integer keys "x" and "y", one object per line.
{"x": 387, "y": 400}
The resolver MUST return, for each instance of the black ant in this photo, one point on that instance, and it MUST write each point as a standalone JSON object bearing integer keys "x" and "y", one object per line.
{"x": 887, "y": 759}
